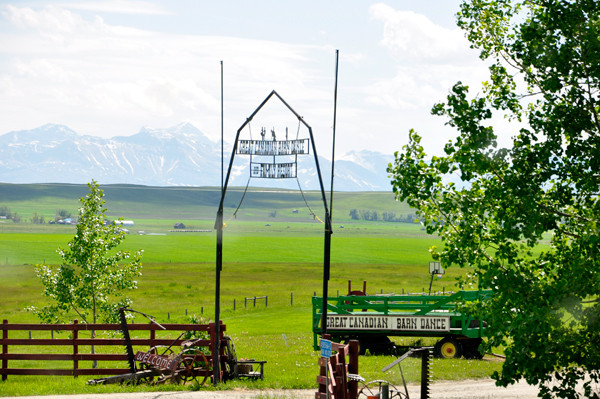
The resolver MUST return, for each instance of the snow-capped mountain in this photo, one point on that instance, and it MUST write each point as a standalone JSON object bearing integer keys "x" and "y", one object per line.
{"x": 179, "y": 155}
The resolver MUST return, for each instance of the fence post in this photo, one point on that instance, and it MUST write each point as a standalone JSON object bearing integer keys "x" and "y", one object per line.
{"x": 266, "y": 301}
{"x": 186, "y": 312}
{"x": 245, "y": 302}
{"x": 233, "y": 303}
{"x": 255, "y": 301}
{"x": 152, "y": 337}
{"x": 5, "y": 347}
{"x": 202, "y": 310}
{"x": 291, "y": 299}
{"x": 75, "y": 347}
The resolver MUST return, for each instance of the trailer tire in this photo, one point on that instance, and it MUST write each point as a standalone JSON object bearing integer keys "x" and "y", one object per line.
{"x": 471, "y": 348}
{"x": 448, "y": 348}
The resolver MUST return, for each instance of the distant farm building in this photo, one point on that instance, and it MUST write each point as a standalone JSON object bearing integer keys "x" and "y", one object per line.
{"x": 124, "y": 223}
{"x": 179, "y": 226}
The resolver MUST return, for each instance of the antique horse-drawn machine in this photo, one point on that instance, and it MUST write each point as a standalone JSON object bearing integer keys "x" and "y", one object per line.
{"x": 184, "y": 361}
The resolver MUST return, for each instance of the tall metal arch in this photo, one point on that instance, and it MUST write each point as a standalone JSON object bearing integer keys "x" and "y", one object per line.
{"x": 219, "y": 228}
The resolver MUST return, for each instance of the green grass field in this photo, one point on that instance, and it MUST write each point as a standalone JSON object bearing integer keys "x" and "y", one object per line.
{"x": 279, "y": 260}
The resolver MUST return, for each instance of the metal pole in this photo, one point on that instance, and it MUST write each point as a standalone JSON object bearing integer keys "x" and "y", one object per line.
{"x": 430, "y": 283}
{"x": 219, "y": 266}
{"x": 337, "y": 54}
{"x": 328, "y": 227}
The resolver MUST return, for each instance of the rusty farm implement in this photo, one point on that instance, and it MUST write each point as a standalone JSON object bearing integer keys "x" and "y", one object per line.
{"x": 184, "y": 361}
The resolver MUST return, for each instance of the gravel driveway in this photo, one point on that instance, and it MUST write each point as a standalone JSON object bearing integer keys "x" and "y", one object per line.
{"x": 467, "y": 389}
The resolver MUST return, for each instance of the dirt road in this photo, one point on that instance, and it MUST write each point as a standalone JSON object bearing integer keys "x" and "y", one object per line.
{"x": 467, "y": 389}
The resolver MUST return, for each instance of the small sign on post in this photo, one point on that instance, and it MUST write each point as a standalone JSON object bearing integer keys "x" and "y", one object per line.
{"x": 326, "y": 354}
{"x": 435, "y": 268}
{"x": 325, "y": 348}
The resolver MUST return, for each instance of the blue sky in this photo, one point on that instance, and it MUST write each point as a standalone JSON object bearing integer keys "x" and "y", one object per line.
{"x": 107, "y": 68}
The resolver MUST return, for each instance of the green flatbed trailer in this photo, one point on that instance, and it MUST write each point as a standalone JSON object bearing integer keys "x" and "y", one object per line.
{"x": 371, "y": 319}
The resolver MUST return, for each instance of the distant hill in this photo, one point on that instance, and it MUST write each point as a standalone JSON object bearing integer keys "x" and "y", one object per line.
{"x": 177, "y": 156}
{"x": 135, "y": 201}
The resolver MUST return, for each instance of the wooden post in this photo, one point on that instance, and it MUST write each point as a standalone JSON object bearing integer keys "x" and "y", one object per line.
{"x": 222, "y": 348}
{"x": 75, "y": 347}
{"x": 5, "y": 348}
{"x": 211, "y": 342}
{"x": 152, "y": 337}
{"x": 353, "y": 369}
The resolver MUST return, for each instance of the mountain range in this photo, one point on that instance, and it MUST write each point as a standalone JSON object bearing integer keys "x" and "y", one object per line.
{"x": 180, "y": 155}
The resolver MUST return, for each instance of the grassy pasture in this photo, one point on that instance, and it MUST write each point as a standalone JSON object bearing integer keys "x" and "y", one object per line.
{"x": 276, "y": 260}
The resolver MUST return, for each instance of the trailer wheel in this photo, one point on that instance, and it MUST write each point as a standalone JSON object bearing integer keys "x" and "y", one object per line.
{"x": 448, "y": 348}
{"x": 471, "y": 347}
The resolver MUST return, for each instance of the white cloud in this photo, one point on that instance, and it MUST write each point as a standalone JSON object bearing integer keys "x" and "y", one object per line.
{"x": 52, "y": 20}
{"x": 429, "y": 60}
{"x": 412, "y": 35}
{"x": 119, "y": 7}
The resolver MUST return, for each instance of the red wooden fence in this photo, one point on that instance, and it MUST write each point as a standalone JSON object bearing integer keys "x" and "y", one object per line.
{"x": 76, "y": 343}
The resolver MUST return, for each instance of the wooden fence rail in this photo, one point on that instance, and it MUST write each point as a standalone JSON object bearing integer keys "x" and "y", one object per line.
{"x": 75, "y": 343}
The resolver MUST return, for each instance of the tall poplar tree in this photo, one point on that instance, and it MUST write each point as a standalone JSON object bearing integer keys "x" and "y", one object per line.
{"x": 89, "y": 283}
{"x": 526, "y": 219}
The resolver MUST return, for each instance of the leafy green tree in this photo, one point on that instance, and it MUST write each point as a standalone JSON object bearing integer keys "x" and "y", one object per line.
{"x": 37, "y": 218}
{"x": 4, "y": 211}
{"x": 354, "y": 214}
{"x": 389, "y": 216}
{"x": 527, "y": 217}
{"x": 90, "y": 279}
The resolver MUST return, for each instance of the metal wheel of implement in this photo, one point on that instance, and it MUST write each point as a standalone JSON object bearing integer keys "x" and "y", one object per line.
{"x": 231, "y": 357}
{"x": 373, "y": 389}
{"x": 193, "y": 364}
{"x": 449, "y": 348}
{"x": 145, "y": 380}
